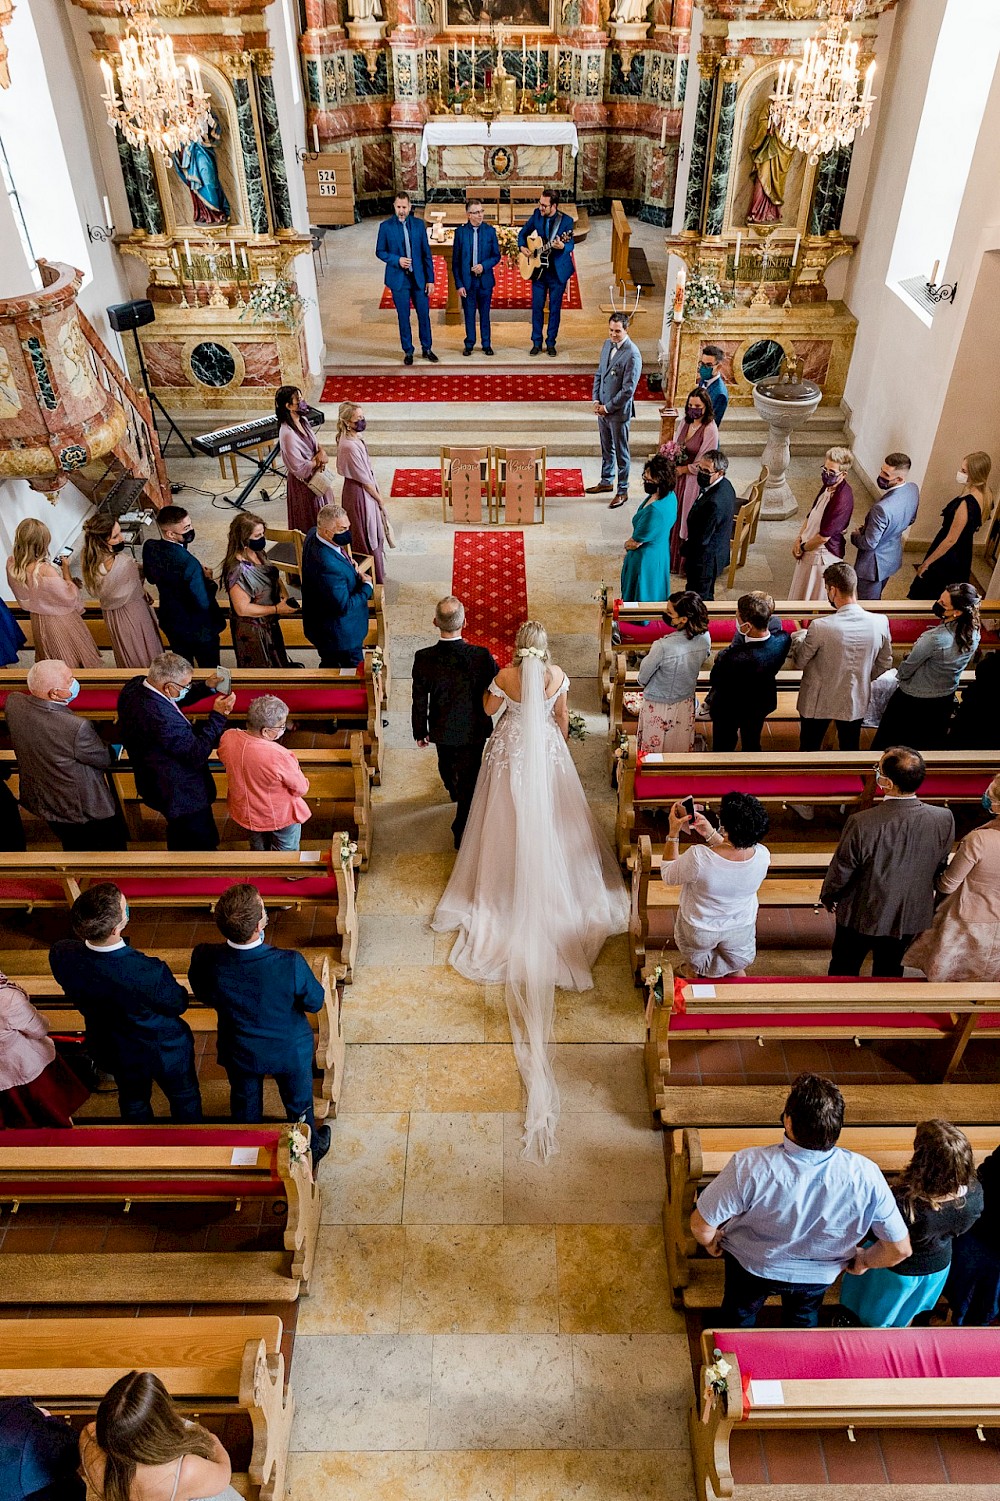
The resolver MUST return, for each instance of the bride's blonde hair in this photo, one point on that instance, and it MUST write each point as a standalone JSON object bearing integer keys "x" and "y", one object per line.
{"x": 531, "y": 640}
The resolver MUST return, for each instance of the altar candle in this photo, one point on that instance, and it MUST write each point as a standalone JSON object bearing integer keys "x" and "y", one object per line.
{"x": 456, "y": 63}
{"x": 736, "y": 257}
{"x": 316, "y": 138}
{"x": 679, "y": 286}
{"x": 176, "y": 259}
{"x": 246, "y": 263}
{"x": 795, "y": 252}
{"x": 937, "y": 265}
{"x": 187, "y": 252}
{"x": 232, "y": 252}
{"x": 538, "y": 61}
{"x": 473, "y": 65}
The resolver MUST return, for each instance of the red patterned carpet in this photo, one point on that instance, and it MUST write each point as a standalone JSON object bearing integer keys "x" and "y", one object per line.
{"x": 544, "y": 386}
{"x": 509, "y": 293}
{"x": 487, "y": 575}
{"x": 425, "y": 484}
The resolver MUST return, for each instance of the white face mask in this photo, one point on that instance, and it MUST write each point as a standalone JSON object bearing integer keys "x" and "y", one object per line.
{"x": 962, "y": 477}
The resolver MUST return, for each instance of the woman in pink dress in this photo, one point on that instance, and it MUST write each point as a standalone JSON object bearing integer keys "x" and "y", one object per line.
{"x": 37, "y": 1086}
{"x": 112, "y": 575}
{"x": 54, "y": 601}
{"x": 696, "y": 434}
{"x": 310, "y": 483}
{"x": 369, "y": 524}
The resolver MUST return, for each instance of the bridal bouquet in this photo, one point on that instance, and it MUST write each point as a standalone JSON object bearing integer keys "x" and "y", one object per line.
{"x": 577, "y": 726}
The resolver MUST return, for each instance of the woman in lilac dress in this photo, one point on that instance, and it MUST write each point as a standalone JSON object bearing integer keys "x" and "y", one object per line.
{"x": 112, "y": 575}
{"x": 54, "y": 601}
{"x": 310, "y": 484}
{"x": 697, "y": 434}
{"x": 362, "y": 502}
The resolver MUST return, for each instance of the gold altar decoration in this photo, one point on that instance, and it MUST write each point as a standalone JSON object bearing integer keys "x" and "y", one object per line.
{"x": 162, "y": 106}
{"x": 826, "y": 106}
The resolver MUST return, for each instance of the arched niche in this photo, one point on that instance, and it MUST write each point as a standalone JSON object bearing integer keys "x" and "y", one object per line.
{"x": 751, "y": 103}
{"x": 176, "y": 195}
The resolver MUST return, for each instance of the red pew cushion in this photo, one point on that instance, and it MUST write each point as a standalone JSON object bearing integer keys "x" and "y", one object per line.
{"x": 308, "y": 700}
{"x": 284, "y": 886}
{"x": 28, "y": 891}
{"x": 87, "y": 701}
{"x": 720, "y": 629}
{"x": 763, "y": 1020}
{"x": 141, "y": 1136}
{"x": 868, "y": 1354}
{"x": 651, "y": 787}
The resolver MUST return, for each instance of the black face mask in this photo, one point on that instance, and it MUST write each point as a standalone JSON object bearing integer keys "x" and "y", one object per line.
{"x": 187, "y": 538}
{"x": 117, "y": 547}
{"x": 937, "y": 608}
{"x": 342, "y": 539}
{"x": 702, "y": 479}
{"x": 257, "y": 543}
{"x": 650, "y": 486}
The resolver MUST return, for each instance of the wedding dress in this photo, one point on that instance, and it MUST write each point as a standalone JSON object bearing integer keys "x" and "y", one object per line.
{"x": 535, "y": 890}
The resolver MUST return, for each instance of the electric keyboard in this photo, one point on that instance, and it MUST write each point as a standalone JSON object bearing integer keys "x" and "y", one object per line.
{"x": 248, "y": 434}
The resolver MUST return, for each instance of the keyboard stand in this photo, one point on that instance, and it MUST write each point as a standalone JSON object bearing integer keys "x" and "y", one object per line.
{"x": 261, "y": 468}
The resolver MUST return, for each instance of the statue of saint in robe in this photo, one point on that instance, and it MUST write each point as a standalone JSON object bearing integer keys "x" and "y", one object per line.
{"x": 195, "y": 166}
{"x": 770, "y": 160}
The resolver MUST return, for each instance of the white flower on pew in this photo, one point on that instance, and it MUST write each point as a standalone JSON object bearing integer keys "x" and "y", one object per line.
{"x": 377, "y": 661}
{"x": 716, "y": 1379}
{"x": 348, "y": 849}
{"x": 577, "y": 726}
{"x": 601, "y": 596}
{"x": 298, "y": 1144}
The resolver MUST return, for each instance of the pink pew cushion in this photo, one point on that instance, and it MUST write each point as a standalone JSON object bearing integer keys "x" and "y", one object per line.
{"x": 704, "y": 1022}
{"x": 209, "y": 886}
{"x": 653, "y": 787}
{"x": 307, "y": 700}
{"x": 27, "y": 890}
{"x": 720, "y": 629}
{"x": 868, "y": 1354}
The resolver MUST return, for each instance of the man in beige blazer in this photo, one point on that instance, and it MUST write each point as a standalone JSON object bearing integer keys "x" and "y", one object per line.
{"x": 840, "y": 656}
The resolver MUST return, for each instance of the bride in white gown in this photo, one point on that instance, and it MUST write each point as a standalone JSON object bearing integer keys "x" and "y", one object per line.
{"x": 535, "y": 890}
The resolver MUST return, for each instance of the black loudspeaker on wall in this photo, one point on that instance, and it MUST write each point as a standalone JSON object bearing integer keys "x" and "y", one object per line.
{"x": 125, "y": 315}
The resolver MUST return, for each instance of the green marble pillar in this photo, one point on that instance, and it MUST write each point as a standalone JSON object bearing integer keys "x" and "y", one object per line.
{"x": 136, "y": 207}
{"x": 831, "y": 187}
{"x": 256, "y": 196}
{"x": 718, "y": 185}
{"x": 696, "y": 185}
{"x": 281, "y": 207}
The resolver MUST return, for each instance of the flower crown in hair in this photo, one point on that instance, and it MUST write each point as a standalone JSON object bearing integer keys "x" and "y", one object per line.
{"x": 530, "y": 651}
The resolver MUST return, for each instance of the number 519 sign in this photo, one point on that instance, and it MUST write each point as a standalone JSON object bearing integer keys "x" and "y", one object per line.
{"x": 329, "y": 188}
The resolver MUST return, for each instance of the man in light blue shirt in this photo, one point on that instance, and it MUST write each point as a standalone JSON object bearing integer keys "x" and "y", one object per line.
{"x": 789, "y": 1219}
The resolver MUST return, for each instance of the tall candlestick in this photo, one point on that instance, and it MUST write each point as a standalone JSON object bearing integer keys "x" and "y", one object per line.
{"x": 316, "y": 139}
{"x": 538, "y": 62}
{"x": 187, "y": 251}
{"x": 795, "y": 252}
{"x": 473, "y": 65}
{"x": 232, "y": 252}
{"x": 246, "y": 264}
{"x": 736, "y": 257}
{"x": 456, "y": 64}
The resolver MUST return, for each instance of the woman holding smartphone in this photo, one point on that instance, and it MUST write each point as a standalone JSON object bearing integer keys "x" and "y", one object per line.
{"x": 49, "y": 592}
{"x": 256, "y": 601}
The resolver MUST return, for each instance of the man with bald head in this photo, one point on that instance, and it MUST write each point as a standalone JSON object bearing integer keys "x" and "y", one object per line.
{"x": 450, "y": 679}
{"x": 334, "y": 594}
{"x": 62, "y": 761}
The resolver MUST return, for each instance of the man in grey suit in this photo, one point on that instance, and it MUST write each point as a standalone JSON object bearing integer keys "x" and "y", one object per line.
{"x": 840, "y": 655}
{"x": 614, "y": 387}
{"x": 880, "y": 540}
{"x": 61, "y": 762}
{"x": 880, "y": 881}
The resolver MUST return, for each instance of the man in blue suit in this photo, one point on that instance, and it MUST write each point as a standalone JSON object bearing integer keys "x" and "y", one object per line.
{"x": 334, "y": 594}
{"x": 39, "y": 1454}
{"x": 187, "y": 609}
{"x": 475, "y": 252}
{"x": 551, "y": 226}
{"x": 261, "y": 995}
{"x": 618, "y": 372}
{"x": 880, "y": 540}
{"x": 132, "y": 1007}
{"x": 169, "y": 754}
{"x": 409, "y": 274}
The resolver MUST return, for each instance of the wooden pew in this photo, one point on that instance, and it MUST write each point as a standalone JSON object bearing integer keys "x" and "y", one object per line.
{"x": 169, "y": 878}
{"x": 740, "y": 1105}
{"x": 808, "y": 1379}
{"x": 48, "y": 998}
{"x": 213, "y": 1368}
{"x": 166, "y": 1164}
{"x": 696, "y": 1279}
{"x": 812, "y": 777}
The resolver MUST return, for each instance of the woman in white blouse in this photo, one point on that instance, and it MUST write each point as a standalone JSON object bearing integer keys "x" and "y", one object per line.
{"x": 716, "y": 924}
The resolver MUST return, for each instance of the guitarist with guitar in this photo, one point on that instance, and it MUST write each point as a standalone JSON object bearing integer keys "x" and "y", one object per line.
{"x": 547, "y": 236}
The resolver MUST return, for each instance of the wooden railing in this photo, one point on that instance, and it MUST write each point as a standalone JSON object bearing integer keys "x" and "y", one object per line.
{"x": 139, "y": 450}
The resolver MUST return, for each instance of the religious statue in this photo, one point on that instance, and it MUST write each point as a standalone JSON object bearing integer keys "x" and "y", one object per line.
{"x": 770, "y": 160}
{"x": 196, "y": 167}
{"x": 364, "y": 10}
{"x": 630, "y": 12}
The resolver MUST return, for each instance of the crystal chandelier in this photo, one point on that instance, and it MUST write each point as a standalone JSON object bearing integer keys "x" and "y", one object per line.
{"x": 819, "y": 104}
{"x": 162, "y": 104}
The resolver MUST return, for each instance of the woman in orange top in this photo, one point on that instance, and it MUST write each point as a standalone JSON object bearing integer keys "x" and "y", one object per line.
{"x": 266, "y": 785}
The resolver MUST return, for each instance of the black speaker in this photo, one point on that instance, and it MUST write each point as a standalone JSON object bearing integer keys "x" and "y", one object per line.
{"x": 126, "y": 315}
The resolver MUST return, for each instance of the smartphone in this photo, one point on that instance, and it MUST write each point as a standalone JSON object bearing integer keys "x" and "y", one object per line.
{"x": 64, "y": 552}
{"x": 225, "y": 684}
{"x": 688, "y": 805}
{"x": 294, "y": 604}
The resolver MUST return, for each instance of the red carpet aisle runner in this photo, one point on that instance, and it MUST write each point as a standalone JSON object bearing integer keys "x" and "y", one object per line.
{"x": 487, "y": 575}
{"x": 474, "y": 388}
{"x": 509, "y": 293}
{"x": 425, "y": 484}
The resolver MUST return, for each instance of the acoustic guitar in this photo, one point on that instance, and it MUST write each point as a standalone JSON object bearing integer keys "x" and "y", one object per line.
{"x": 536, "y": 259}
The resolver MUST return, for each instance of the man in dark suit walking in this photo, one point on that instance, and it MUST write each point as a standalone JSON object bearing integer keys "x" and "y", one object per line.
{"x": 169, "y": 754}
{"x": 262, "y": 995}
{"x": 132, "y": 1006}
{"x": 474, "y": 254}
{"x": 710, "y": 524}
{"x": 334, "y": 594}
{"x": 556, "y": 232}
{"x": 743, "y": 691}
{"x": 187, "y": 609}
{"x": 449, "y": 681}
{"x": 409, "y": 274}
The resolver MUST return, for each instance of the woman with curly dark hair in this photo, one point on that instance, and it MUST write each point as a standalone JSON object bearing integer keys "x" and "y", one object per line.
{"x": 669, "y": 675}
{"x": 646, "y": 569}
{"x": 716, "y": 925}
{"x": 919, "y": 712}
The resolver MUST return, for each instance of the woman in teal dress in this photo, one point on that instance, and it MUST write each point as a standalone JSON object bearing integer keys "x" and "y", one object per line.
{"x": 646, "y": 569}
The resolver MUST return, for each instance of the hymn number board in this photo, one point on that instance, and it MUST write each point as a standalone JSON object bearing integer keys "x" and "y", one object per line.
{"x": 330, "y": 189}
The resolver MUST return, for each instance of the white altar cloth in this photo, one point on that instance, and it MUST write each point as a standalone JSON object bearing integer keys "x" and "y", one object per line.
{"x": 524, "y": 131}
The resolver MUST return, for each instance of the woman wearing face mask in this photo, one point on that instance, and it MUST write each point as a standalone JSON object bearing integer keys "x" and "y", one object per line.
{"x": 950, "y": 554}
{"x": 112, "y": 575}
{"x": 820, "y": 541}
{"x": 646, "y": 569}
{"x": 310, "y": 483}
{"x": 668, "y": 676}
{"x": 963, "y": 942}
{"x": 696, "y": 434}
{"x": 265, "y": 782}
{"x": 919, "y": 712}
{"x": 370, "y": 529}
{"x": 50, "y": 594}
{"x": 255, "y": 588}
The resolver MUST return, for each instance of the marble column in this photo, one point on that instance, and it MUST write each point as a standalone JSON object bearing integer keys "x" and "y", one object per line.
{"x": 136, "y": 207}
{"x": 831, "y": 186}
{"x": 239, "y": 72}
{"x": 281, "y": 207}
{"x": 722, "y": 156}
{"x": 698, "y": 168}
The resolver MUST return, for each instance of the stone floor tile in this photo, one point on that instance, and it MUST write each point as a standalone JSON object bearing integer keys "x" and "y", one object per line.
{"x": 405, "y": 884}
{"x": 368, "y": 1391}
{"x": 362, "y": 1177}
{"x": 356, "y": 1283}
{"x": 413, "y": 1003}
{"x": 454, "y": 1169}
{"x": 600, "y": 1076}
{"x": 608, "y": 1170}
{"x": 495, "y": 1391}
{"x": 384, "y": 1076}
{"x": 479, "y": 1279}
{"x": 472, "y": 1076}
{"x": 405, "y": 940}
{"x": 603, "y": 1475}
{"x": 613, "y": 1280}
{"x": 462, "y": 1475}
{"x": 632, "y": 1390}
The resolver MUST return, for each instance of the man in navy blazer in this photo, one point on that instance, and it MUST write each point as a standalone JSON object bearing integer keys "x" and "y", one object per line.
{"x": 132, "y": 1006}
{"x": 710, "y": 524}
{"x": 169, "y": 754}
{"x": 475, "y": 252}
{"x": 880, "y": 540}
{"x": 550, "y": 225}
{"x": 334, "y": 594}
{"x": 187, "y": 609}
{"x": 743, "y": 691}
{"x": 39, "y": 1454}
{"x": 261, "y": 995}
{"x": 409, "y": 274}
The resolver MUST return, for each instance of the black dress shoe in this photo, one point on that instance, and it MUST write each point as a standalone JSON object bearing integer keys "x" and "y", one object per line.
{"x": 487, "y": 351}
{"x": 320, "y": 1145}
{"x": 535, "y": 349}
{"x": 551, "y": 351}
{"x": 407, "y": 359}
{"x": 468, "y": 348}
{"x": 428, "y": 354}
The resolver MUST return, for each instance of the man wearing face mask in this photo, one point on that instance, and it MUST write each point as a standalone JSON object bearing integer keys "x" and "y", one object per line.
{"x": 132, "y": 1007}
{"x": 334, "y": 594}
{"x": 62, "y": 762}
{"x": 710, "y": 376}
{"x": 187, "y": 609}
{"x": 880, "y": 540}
{"x": 169, "y": 753}
{"x": 710, "y": 524}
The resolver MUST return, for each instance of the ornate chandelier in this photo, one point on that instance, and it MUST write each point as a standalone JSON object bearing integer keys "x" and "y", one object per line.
{"x": 162, "y": 104}
{"x": 819, "y": 104}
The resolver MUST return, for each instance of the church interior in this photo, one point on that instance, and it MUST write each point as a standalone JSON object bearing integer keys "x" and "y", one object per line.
{"x": 193, "y": 194}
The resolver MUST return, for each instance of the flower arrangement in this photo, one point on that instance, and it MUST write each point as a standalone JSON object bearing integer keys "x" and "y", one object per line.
{"x": 348, "y": 849}
{"x": 459, "y": 96}
{"x": 298, "y": 1143}
{"x": 544, "y": 95}
{"x": 577, "y": 726}
{"x": 509, "y": 248}
{"x": 703, "y": 296}
{"x": 377, "y": 661}
{"x": 716, "y": 1377}
{"x": 654, "y": 981}
{"x": 602, "y": 596}
{"x": 275, "y": 301}
{"x": 675, "y": 452}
